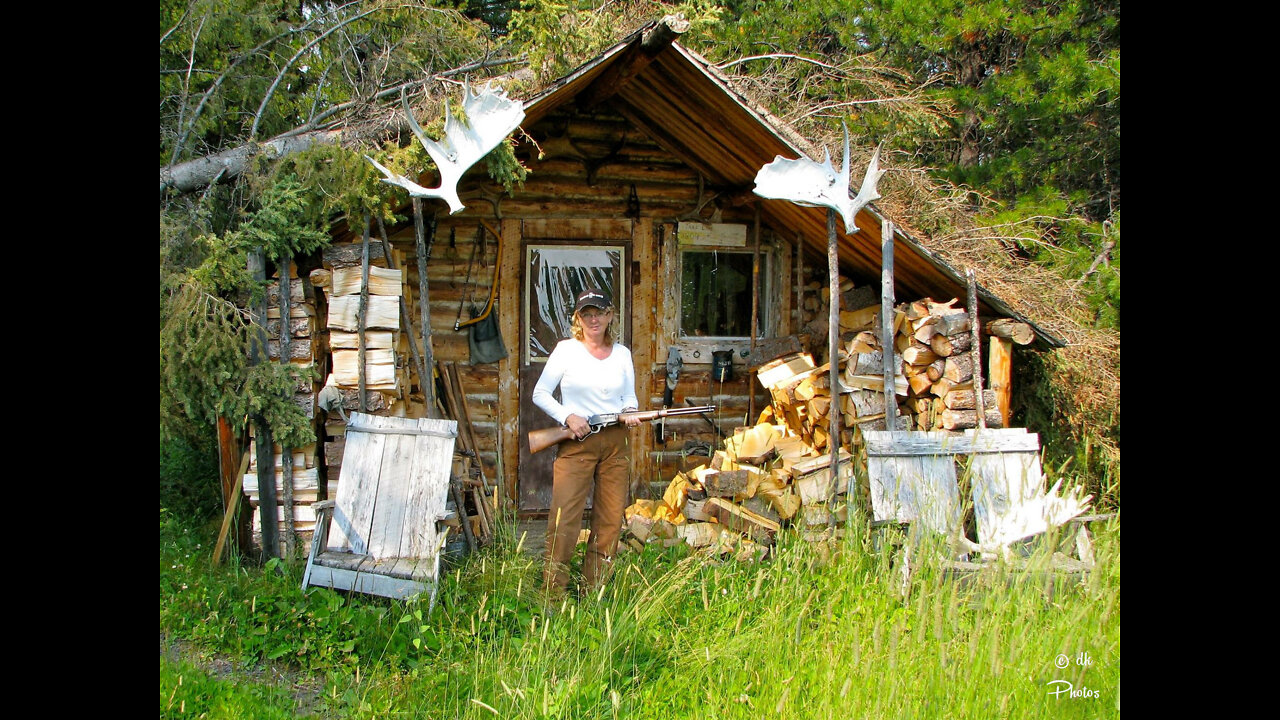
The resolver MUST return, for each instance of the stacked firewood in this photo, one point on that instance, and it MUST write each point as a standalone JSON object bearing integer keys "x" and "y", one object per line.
{"x": 391, "y": 384}
{"x": 338, "y": 285}
{"x": 762, "y": 479}
{"x": 777, "y": 473}
{"x": 303, "y": 353}
{"x": 936, "y": 343}
{"x": 385, "y": 366}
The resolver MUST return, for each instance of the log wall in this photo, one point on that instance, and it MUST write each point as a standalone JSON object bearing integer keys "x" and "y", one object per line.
{"x": 583, "y": 168}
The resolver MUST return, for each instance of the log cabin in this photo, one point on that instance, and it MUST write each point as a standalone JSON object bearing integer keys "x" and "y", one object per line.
{"x": 642, "y": 164}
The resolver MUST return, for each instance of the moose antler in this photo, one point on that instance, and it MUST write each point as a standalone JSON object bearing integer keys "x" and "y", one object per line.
{"x": 806, "y": 182}
{"x": 491, "y": 117}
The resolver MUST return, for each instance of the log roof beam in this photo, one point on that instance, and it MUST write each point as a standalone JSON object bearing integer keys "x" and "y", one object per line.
{"x": 653, "y": 40}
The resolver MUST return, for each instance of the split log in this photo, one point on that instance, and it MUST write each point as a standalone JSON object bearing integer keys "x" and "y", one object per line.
{"x": 382, "y": 312}
{"x": 918, "y": 354}
{"x": 1018, "y": 332}
{"x": 944, "y": 386}
{"x": 740, "y": 519}
{"x": 948, "y": 345}
{"x": 901, "y": 343}
{"x": 936, "y": 369}
{"x": 726, "y": 483}
{"x": 859, "y": 319}
{"x": 374, "y": 340}
{"x": 953, "y": 324}
{"x": 382, "y": 281}
{"x": 966, "y": 419}
{"x": 966, "y": 400}
{"x": 926, "y": 330}
{"x": 349, "y": 254}
{"x": 768, "y": 349}
{"x": 380, "y": 369}
{"x": 920, "y": 384}
{"x": 958, "y": 368}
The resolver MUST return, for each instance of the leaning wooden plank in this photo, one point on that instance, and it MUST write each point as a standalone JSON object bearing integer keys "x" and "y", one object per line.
{"x": 912, "y": 476}
{"x": 357, "y": 484}
{"x": 392, "y": 494}
{"x": 429, "y": 487}
{"x": 1011, "y": 503}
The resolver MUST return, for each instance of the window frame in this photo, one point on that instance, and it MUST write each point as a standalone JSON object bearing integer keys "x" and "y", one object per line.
{"x": 697, "y": 349}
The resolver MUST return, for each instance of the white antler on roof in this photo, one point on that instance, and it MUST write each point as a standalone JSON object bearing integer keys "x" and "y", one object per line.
{"x": 806, "y": 182}
{"x": 491, "y": 117}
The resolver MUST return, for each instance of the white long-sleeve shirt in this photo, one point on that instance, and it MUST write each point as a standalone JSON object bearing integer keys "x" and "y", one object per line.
{"x": 588, "y": 386}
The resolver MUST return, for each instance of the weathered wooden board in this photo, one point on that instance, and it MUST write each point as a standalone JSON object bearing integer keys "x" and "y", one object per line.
{"x": 395, "y": 478}
{"x": 913, "y": 478}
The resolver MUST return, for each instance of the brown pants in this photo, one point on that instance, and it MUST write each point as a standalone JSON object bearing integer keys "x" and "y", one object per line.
{"x": 601, "y": 460}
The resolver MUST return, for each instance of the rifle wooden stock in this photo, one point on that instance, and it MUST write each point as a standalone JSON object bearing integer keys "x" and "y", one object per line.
{"x": 540, "y": 440}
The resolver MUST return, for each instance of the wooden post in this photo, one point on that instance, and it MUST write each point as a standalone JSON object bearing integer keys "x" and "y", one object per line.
{"x": 1001, "y": 375}
{"x": 266, "y": 465}
{"x": 755, "y": 318}
{"x": 229, "y": 455}
{"x": 364, "y": 304}
{"x": 286, "y": 451}
{"x": 428, "y": 354}
{"x": 406, "y": 320}
{"x": 833, "y": 348}
{"x": 510, "y": 275}
{"x": 886, "y": 325}
{"x": 972, "y": 282}
{"x": 798, "y": 312}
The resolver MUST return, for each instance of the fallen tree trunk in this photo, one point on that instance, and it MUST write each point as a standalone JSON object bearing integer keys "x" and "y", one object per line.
{"x": 199, "y": 173}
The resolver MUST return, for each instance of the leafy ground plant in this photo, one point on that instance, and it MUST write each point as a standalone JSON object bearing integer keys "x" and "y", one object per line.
{"x": 819, "y": 630}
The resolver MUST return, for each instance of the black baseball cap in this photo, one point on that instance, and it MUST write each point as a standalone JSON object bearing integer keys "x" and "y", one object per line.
{"x": 591, "y": 297}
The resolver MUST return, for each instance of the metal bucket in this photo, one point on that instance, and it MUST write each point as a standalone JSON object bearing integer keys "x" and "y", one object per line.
{"x": 722, "y": 365}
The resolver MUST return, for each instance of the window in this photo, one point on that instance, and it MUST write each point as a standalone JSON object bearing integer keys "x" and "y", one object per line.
{"x": 556, "y": 274}
{"x": 715, "y": 294}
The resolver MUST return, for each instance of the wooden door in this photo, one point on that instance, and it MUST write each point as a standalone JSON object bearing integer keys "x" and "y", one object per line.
{"x": 554, "y": 274}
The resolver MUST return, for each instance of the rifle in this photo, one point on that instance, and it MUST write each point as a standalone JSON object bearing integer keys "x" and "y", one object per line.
{"x": 540, "y": 440}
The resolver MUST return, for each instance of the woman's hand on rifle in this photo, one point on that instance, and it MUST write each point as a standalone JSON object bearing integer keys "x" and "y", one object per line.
{"x": 578, "y": 425}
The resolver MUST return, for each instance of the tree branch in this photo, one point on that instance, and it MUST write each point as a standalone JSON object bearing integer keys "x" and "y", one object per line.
{"x": 1107, "y": 247}
{"x": 257, "y": 117}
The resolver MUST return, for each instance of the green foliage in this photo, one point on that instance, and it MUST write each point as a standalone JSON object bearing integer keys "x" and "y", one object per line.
{"x": 821, "y": 630}
{"x": 189, "y": 475}
{"x": 1083, "y": 437}
{"x": 220, "y": 58}
{"x": 559, "y": 35}
{"x": 206, "y": 339}
{"x": 187, "y": 690}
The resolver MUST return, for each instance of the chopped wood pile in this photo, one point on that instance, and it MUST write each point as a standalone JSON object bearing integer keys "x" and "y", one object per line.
{"x": 777, "y": 473}
{"x": 303, "y": 352}
{"x": 392, "y": 367}
{"x": 762, "y": 478}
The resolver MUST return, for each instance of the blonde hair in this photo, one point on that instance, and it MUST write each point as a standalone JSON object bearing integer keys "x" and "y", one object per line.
{"x": 611, "y": 334}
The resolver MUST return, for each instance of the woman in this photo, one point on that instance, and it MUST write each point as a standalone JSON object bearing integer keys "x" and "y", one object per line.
{"x": 595, "y": 375}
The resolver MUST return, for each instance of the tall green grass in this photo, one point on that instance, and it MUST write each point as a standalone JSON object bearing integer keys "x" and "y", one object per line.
{"x": 820, "y": 630}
